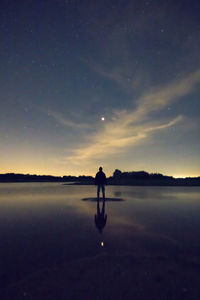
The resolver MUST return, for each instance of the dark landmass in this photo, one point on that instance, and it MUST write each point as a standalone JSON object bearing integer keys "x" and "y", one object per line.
{"x": 12, "y": 177}
{"x": 140, "y": 178}
{"x": 154, "y": 179}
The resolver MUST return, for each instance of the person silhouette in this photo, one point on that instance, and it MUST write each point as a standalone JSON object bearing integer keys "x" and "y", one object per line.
{"x": 100, "y": 181}
{"x": 100, "y": 217}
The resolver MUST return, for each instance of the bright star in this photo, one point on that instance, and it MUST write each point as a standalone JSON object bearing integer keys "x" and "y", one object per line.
{"x": 102, "y": 119}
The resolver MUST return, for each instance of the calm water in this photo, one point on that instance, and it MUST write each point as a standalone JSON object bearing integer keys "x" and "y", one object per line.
{"x": 149, "y": 242}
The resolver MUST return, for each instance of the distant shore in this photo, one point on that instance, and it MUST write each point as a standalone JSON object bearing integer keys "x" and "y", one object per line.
{"x": 119, "y": 178}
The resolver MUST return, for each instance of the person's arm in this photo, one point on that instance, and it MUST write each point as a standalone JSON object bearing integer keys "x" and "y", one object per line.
{"x": 105, "y": 179}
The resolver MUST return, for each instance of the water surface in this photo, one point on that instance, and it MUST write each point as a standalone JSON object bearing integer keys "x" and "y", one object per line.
{"x": 51, "y": 247}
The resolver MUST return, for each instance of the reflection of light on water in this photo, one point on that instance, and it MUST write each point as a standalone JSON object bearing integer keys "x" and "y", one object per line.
{"x": 102, "y": 244}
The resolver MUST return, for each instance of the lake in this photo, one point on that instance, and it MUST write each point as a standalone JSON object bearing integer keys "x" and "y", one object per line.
{"x": 56, "y": 243}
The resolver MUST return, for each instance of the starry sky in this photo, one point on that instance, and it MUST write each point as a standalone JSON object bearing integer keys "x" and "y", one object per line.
{"x": 66, "y": 64}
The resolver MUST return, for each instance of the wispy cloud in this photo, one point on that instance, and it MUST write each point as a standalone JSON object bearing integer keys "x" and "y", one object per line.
{"x": 67, "y": 122}
{"x": 127, "y": 129}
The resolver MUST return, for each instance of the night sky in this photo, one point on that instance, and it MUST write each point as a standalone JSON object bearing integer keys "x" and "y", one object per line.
{"x": 65, "y": 65}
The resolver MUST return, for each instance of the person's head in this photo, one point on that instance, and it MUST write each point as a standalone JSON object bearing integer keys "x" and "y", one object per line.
{"x": 100, "y": 169}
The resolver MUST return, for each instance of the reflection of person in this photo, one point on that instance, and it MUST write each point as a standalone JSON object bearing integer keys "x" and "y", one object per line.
{"x": 100, "y": 181}
{"x": 100, "y": 218}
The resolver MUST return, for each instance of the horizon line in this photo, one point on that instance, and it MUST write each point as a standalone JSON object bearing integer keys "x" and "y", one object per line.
{"x": 61, "y": 176}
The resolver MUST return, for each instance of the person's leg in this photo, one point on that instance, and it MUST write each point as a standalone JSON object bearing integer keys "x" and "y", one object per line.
{"x": 103, "y": 191}
{"x": 98, "y": 191}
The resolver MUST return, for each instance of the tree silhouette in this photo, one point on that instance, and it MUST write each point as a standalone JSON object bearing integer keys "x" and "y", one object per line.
{"x": 117, "y": 173}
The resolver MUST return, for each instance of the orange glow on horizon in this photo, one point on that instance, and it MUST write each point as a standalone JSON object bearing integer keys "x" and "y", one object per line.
{"x": 83, "y": 173}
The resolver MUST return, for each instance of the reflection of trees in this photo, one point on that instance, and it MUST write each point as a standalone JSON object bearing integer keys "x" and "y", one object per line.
{"x": 100, "y": 217}
{"x": 117, "y": 194}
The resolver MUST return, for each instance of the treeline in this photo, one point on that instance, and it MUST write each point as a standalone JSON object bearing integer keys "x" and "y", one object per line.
{"x": 145, "y": 178}
{"x": 12, "y": 177}
{"x": 139, "y": 175}
{"x": 140, "y": 178}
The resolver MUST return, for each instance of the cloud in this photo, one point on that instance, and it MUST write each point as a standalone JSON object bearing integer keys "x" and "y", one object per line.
{"x": 117, "y": 138}
{"x": 127, "y": 129}
{"x": 67, "y": 122}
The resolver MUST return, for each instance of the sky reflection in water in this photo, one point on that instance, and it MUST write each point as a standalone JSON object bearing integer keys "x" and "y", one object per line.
{"x": 48, "y": 224}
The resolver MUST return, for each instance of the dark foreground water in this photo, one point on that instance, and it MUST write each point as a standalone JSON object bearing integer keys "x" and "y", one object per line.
{"x": 51, "y": 247}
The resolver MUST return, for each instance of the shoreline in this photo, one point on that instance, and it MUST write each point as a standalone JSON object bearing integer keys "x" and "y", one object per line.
{"x": 183, "y": 184}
